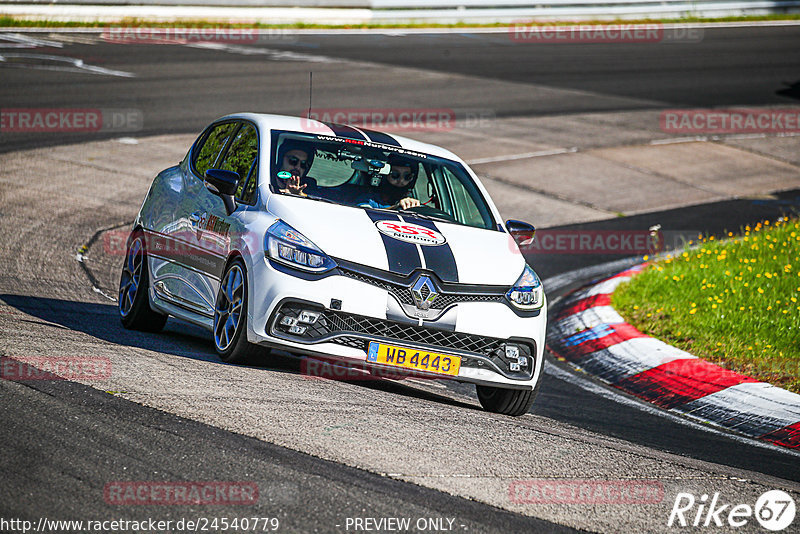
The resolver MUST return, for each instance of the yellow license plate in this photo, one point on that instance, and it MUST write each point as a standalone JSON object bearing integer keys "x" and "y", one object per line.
{"x": 418, "y": 360}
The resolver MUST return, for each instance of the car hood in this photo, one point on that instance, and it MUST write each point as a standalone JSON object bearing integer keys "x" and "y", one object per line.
{"x": 401, "y": 243}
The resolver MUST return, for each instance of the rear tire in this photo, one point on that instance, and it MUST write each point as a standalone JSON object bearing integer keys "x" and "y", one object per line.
{"x": 514, "y": 402}
{"x": 230, "y": 317}
{"x": 134, "y": 284}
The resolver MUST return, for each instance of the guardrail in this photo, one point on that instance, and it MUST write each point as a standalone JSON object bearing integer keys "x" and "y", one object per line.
{"x": 396, "y": 11}
{"x": 605, "y": 6}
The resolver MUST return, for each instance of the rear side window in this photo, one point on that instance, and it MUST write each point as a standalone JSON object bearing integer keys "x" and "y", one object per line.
{"x": 212, "y": 145}
{"x": 240, "y": 159}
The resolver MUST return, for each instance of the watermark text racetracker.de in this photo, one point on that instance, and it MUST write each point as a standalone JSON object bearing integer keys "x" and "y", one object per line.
{"x": 730, "y": 121}
{"x": 328, "y": 369}
{"x": 527, "y": 32}
{"x": 23, "y": 368}
{"x": 624, "y": 242}
{"x": 606, "y": 242}
{"x": 589, "y": 491}
{"x": 222, "y": 34}
{"x": 398, "y": 119}
{"x": 180, "y": 493}
{"x": 70, "y": 120}
{"x": 141, "y": 526}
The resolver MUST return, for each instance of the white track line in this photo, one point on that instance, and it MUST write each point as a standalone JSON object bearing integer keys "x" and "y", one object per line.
{"x": 72, "y": 65}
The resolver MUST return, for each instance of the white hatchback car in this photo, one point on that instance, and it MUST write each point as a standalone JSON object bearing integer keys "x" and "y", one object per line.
{"x": 341, "y": 243}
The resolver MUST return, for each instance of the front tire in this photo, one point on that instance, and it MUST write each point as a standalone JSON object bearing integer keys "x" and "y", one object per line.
{"x": 514, "y": 402}
{"x": 230, "y": 316}
{"x": 134, "y": 283}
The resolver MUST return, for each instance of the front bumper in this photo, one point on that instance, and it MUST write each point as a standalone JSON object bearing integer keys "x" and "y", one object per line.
{"x": 353, "y": 312}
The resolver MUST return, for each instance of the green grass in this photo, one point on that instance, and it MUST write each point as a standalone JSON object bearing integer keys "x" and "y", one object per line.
{"x": 734, "y": 302}
{"x": 7, "y": 21}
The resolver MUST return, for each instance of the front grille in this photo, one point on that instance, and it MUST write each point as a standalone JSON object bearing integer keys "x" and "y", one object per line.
{"x": 403, "y": 291}
{"x": 355, "y": 331}
{"x": 342, "y": 322}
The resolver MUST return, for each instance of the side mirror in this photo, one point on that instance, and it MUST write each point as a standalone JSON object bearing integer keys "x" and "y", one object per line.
{"x": 522, "y": 232}
{"x": 223, "y": 184}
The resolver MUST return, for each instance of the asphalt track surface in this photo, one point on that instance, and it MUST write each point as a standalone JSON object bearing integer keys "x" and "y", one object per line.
{"x": 62, "y": 441}
{"x": 181, "y": 89}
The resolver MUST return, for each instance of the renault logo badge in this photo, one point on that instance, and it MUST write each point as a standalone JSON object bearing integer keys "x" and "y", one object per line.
{"x": 424, "y": 292}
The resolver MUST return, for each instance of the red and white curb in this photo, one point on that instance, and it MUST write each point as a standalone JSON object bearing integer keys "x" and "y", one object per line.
{"x": 590, "y": 335}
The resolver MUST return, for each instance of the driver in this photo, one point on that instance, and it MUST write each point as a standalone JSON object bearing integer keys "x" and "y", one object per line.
{"x": 296, "y": 157}
{"x": 395, "y": 188}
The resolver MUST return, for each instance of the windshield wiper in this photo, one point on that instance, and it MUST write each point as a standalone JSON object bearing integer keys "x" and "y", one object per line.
{"x": 313, "y": 197}
{"x": 424, "y": 216}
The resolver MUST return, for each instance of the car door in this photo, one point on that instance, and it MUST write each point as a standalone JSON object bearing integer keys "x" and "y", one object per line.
{"x": 214, "y": 228}
{"x": 181, "y": 275}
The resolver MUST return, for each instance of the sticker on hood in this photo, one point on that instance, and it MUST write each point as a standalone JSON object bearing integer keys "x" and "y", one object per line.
{"x": 410, "y": 233}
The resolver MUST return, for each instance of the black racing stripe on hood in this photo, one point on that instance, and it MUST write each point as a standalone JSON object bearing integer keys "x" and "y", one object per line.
{"x": 342, "y": 130}
{"x": 439, "y": 259}
{"x": 403, "y": 257}
{"x": 380, "y": 137}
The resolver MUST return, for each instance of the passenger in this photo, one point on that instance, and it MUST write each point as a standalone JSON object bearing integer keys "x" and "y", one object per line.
{"x": 395, "y": 188}
{"x": 296, "y": 158}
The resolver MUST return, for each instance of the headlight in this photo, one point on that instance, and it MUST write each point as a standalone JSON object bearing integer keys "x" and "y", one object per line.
{"x": 286, "y": 245}
{"x": 527, "y": 293}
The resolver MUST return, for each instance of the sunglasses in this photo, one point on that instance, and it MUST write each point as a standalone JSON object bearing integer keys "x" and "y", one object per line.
{"x": 294, "y": 161}
{"x": 405, "y": 176}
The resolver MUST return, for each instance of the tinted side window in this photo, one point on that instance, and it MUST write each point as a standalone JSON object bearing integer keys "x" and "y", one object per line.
{"x": 240, "y": 158}
{"x": 212, "y": 145}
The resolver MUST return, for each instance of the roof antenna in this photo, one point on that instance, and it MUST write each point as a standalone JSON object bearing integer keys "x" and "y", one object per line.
{"x": 310, "y": 86}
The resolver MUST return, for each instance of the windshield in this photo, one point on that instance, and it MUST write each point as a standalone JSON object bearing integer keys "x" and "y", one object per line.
{"x": 363, "y": 174}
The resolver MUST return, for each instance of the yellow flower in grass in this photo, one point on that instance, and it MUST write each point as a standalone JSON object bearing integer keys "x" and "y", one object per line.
{"x": 760, "y": 290}
{"x": 694, "y": 310}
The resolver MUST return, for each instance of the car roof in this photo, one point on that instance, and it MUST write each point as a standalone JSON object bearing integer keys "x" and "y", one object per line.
{"x": 266, "y": 121}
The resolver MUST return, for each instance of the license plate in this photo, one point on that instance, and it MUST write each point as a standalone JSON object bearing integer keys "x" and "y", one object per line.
{"x": 418, "y": 360}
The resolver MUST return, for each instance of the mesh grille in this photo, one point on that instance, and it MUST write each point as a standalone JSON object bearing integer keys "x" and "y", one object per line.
{"x": 333, "y": 322}
{"x": 403, "y": 293}
{"x": 425, "y": 336}
{"x": 344, "y": 328}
